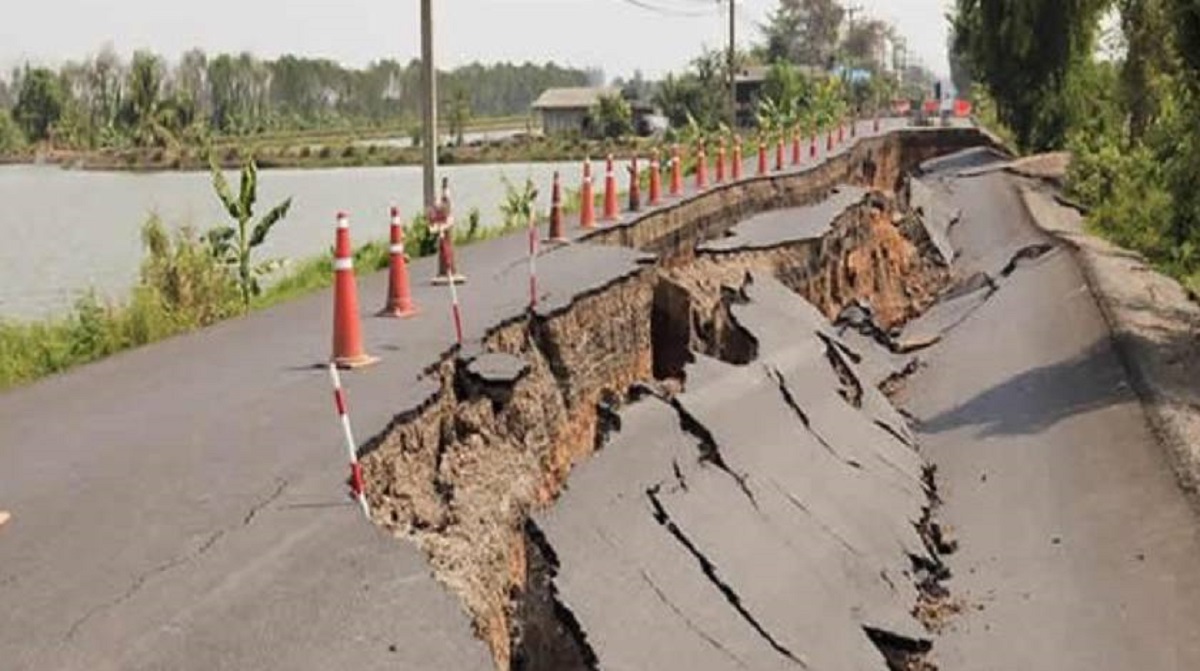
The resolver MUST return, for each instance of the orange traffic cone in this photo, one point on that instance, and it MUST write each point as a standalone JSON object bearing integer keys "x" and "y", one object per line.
{"x": 556, "y": 213}
{"x": 829, "y": 142}
{"x": 399, "y": 298}
{"x": 796, "y": 151}
{"x": 587, "y": 198}
{"x": 812, "y": 148}
{"x": 610, "y": 192}
{"x": 348, "y": 349}
{"x": 779, "y": 154}
{"x": 676, "y": 173}
{"x": 701, "y": 168}
{"x": 762, "y": 158}
{"x": 736, "y": 164}
{"x": 655, "y": 179}
{"x": 720, "y": 177}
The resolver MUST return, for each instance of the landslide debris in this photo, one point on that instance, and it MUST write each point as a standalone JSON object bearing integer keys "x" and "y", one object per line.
{"x": 471, "y": 474}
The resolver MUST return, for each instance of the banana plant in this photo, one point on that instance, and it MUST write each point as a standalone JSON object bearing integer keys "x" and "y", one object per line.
{"x": 234, "y": 245}
{"x": 517, "y": 208}
{"x": 773, "y": 120}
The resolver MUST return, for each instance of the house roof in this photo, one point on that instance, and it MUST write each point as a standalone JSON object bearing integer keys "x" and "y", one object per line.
{"x": 581, "y": 97}
{"x": 758, "y": 73}
{"x": 752, "y": 73}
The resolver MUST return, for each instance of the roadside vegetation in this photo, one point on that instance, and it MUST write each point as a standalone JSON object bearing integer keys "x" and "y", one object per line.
{"x": 190, "y": 279}
{"x": 1115, "y": 82}
{"x": 216, "y": 112}
{"x": 106, "y": 111}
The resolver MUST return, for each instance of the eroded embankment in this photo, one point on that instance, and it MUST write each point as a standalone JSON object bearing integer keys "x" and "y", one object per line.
{"x": 462, "y": 475}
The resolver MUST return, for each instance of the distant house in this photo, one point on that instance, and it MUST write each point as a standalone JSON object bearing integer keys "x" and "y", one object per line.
{"x": 567, "y": 110}
{"x": 748, "y": 89}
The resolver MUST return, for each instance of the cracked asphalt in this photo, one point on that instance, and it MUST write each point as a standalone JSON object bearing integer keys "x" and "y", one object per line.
{"x": 1077, "y": 549}
{"x": 182, "y": 505}
{"x": 758, "y": 520}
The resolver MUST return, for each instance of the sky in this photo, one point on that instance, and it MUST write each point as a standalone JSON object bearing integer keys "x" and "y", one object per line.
{"x": 615, "y": 35}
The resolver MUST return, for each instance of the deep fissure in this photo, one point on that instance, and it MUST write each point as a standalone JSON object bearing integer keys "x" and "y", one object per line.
{"x": 428, "y": 474}
{"x": 710, "y": 571}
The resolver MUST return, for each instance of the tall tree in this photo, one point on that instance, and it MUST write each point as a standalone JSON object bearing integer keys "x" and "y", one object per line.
{"x": 864, "y": 44}
{"x": 1144, "y": 25}
{"x": 1027, "y": 53}
{"x": 698, "y": 94}
{"x": 804, "y": 31}
{"x": 40, "y": 103}
{"x": 142, "y": 105}
{"x": 191, "y": 81}
{"x": 105, "y": 88}
{"x": 458, "y": 112}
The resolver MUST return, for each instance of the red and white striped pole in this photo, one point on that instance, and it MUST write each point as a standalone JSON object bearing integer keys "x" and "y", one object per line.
{"x": 442, "y": 221}
{"x": 356, "y": 476}
{"x": 458, "y": 328}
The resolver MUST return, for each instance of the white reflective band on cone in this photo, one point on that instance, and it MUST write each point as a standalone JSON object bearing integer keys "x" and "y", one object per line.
{"x": 343, "y": 222}
{"x": 396, "y": 249}
{"x": 343, "y": 264}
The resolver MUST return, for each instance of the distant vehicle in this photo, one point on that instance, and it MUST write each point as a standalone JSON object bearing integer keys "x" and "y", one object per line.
{"x": 653, "y": 125}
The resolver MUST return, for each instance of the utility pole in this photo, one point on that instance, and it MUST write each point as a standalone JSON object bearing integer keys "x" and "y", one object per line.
{"x": 850, "y": 12}
{"x": 733, "y": 64}
{"x": 429, "y": 105}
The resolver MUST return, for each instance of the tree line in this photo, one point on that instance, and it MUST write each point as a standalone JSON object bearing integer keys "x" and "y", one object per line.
{"x": 109, "y": 101}
{"x": 803, "y": 41}
{"x": 1116, "y": 82}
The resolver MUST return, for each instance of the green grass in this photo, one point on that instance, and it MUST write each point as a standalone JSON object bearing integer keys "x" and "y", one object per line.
{"x": 95, "y": 329}
{"x": 181, "y": 291}
{"x": 92, "y": 331}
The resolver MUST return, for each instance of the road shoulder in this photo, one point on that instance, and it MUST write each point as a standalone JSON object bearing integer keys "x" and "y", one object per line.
{"x": 1153, "y": 324}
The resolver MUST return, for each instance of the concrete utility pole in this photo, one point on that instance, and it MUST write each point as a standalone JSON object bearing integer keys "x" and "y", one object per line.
{"x": 733, "y": 64}
{"x": 850, "y": 12}
{"x": 429, "y": 104}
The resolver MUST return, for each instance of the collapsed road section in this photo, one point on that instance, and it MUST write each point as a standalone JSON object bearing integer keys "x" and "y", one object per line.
{"x": 214, "y": 536}
{"x": 748, "y": 497}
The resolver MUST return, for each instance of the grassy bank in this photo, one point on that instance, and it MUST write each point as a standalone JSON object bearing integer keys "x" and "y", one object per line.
{"x": 180, "y": 289}
{"x": 352, "y": 154}
{"x": 326, "y": 150}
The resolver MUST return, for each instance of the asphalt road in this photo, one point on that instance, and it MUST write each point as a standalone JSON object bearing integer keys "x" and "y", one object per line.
{"x": 780, "y": 551}
{"x": 182, "y": 506}
{"x": 1077, "y": 549}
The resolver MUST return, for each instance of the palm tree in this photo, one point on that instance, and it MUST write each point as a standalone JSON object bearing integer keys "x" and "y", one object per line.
{"x": 145, "y": 113}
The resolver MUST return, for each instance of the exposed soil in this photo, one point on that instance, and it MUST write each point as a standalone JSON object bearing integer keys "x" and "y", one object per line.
{"x": 461, "y": 474}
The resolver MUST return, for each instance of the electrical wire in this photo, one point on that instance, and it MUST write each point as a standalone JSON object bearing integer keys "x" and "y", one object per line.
{"x": 673, "y": 11}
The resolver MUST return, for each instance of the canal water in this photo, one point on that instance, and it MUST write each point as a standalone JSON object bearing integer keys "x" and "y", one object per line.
{"x": 63, "y": 232}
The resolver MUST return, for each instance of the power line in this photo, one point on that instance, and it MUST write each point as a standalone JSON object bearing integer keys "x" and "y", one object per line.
{"x": 672, "y": 11}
